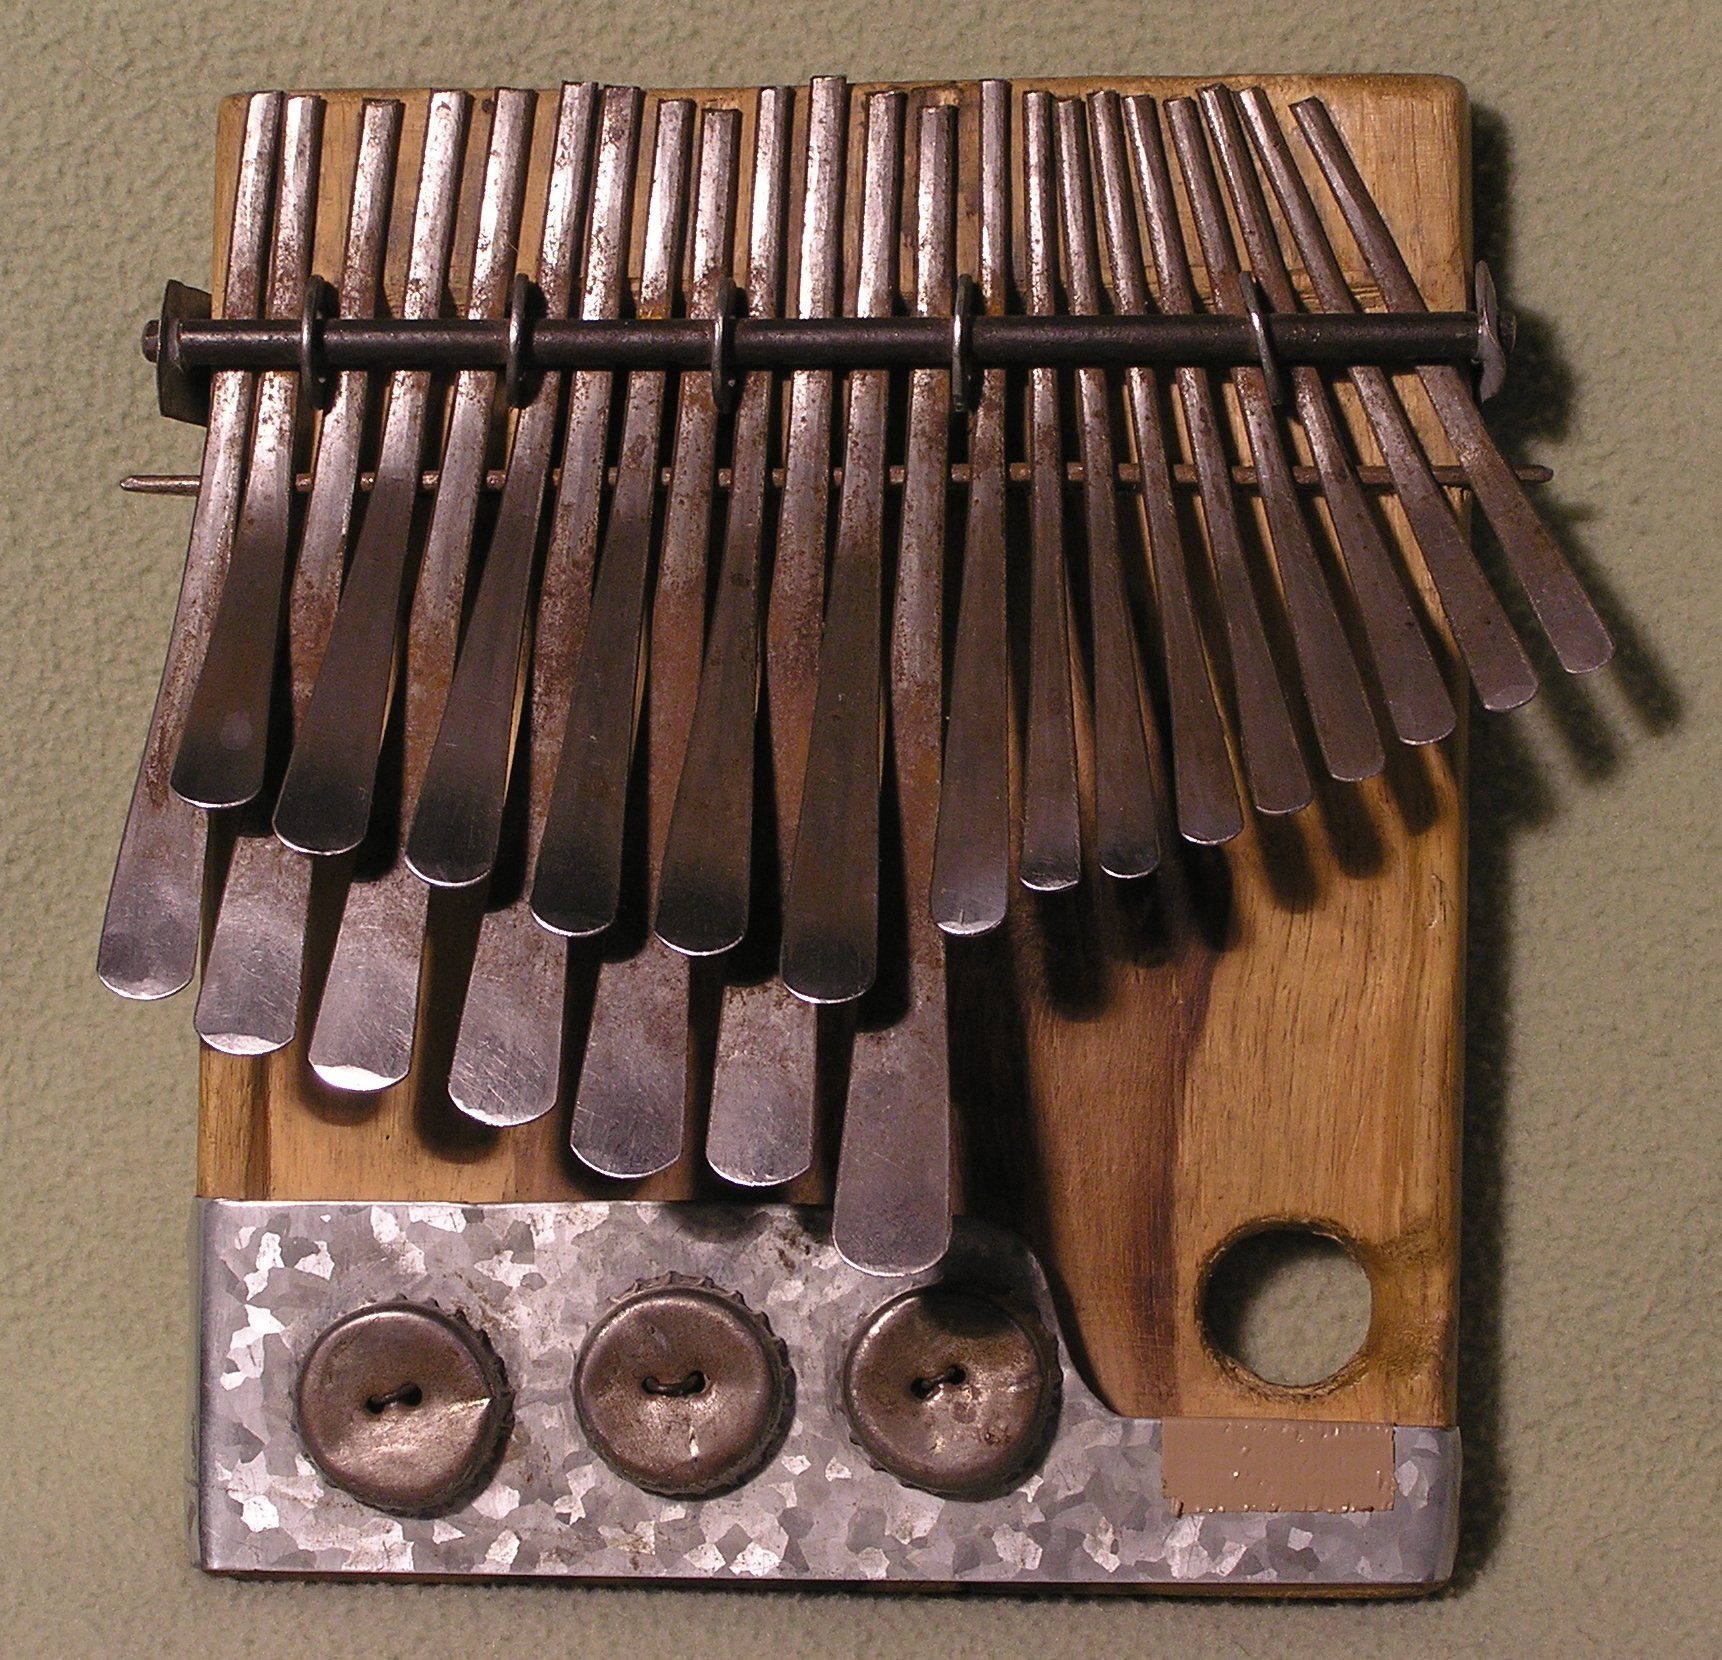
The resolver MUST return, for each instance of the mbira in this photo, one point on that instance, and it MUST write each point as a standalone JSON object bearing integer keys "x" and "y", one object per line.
{"x": 813, "y": 745}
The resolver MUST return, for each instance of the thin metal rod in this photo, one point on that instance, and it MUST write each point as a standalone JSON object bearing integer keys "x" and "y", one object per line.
{"x": 1126, "y": 812}
{"x": 831, "y": 913}
{"x": 1205, "y": 793}
{"x": 1570, "y": 621}
{"x": 1051, "y": 853}
{"x": 1344, "y": 723}
{"x": 1497, "y": 663}
{"x": 223, "y": 751}
{"x": 151, "y": 929}
{"x": 971, "y": 860}
{"x": 1417, "y": 699}
{"x": 1273, "y": 764}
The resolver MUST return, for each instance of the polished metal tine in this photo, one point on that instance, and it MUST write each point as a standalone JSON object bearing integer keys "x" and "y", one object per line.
{"x": 326, "y": 795}
{"x": 831, "y": 910}
{"x": 704, "y": 888}
{"x": 151, "y": 929}
{"x": 1345, "y": 725}
{"x": 630, "y": 1109}
{"x": 1417, "y": 699}
{"x": 1273, "y": 764}
{"x": 1126, "y": 812}
{"x": 1051, "y": 854}
{"x": 577, "y": 884}
{"x": 368, "y": 1015}
{"x": 252, "y": 979}
{"x": 507, "y": 1061}
{"x": 1578, "y": 635}
{"x": 1202, "y": 782}
{"x": 1491, "y": 651}
{"x": 762, "y": 1126}
{"x": 971, "y": 859}
{"x": 224, "y": 748}
{"x": 457, "y": 827}
{"x": 892, "y": 1213}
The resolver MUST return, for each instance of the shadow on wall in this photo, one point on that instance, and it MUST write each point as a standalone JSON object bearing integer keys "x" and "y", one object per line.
{"x": 1512, "y": 790}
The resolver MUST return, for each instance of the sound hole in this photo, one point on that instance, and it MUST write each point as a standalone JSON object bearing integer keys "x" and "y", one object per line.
{"x": 1289, "y": 1304}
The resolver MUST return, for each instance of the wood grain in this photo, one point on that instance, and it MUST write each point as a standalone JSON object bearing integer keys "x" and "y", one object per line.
{"x": 1142, "y": 1073}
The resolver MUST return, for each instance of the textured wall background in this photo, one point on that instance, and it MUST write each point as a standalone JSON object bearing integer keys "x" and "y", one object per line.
{"x": 1591, "y": 1181}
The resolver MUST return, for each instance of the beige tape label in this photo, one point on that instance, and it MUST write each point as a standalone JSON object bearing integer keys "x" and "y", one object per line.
{"x": 1262, "y": 1464}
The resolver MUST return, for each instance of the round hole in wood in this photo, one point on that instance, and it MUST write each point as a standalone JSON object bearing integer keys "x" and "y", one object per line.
{"x": 1289, "y": 1304}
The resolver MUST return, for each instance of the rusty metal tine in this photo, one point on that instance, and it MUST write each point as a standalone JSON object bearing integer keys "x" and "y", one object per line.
{"x": 1578, "y": 635}
{"x": 1344, "y": 723}
{"x": 367, "y": 1018}
{"x": 762, "y": 1122}
{"x": 506, "y": 1067}
{"x": 223, "y": 751}
{"x": 151, "y": 929}
{"x": 1417, "y": 698}
{"x": 458, "y": 825}
{"x": 1497, "y": 663}
{"x": 1273, "y": 764}
{"x": 971, "y": 860}
{"x": 577, "y": 885}
{"x": 1126, "y": 812}
{"x": 704, "y": 886}
{"x": 249, "y": 1001}
{"x": 1206, "y": 795}
{"x": 891, "y": 1213}
{"x": 831, "y": 912}
{"x": 326, "y": 795}
{"x": 631, "y": 1107}
{"x": 1051, "y": 853}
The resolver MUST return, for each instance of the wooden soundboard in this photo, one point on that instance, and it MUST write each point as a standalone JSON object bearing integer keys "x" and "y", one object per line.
{"x": 1268, "y": 1033}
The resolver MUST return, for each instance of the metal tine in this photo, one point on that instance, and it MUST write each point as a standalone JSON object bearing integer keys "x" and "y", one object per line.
{"x": 577, "y": 883}
{"x": 458, "y": 825}
{"x": 249, "y": 1001}
{"x": 326, "y": 795}
{"x": 891, "y": 1212}
{"x": 761, "y": 1125}
{"x": 831, "y": 911}
{"x": 368, "y": 1015}
{"x": 1206, "y": 795}
{"x": 1578, "y": 635}
{"x": 1417, "y": 699}
{"x": 1126, "y": 812}
{"x": 630, "y": 1108}
{"x": 1273, "y": 764}
{"x": 224, "y": 747}
{"x": 1051, "y": 853}
{"x": 1344, "y": 723}
{"x": 151, "y": 929}
{"x": 507, "y": 1061}
{"x": 705, "y": 882}
{"x": 971, "y": 858}
{"x": 1499, "y": 668}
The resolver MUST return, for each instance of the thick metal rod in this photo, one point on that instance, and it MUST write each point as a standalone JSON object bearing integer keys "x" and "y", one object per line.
{"x": 1498, "y": 666}
{"x": 892, "y": 1210}
{"x": 971, "y": 861}
{"x": 765, "y": 1072}
{"x": 368, "y": 1016}
{"x": 1205, "y": 793}
{"x": 787, "y": 343}
{"x": 1417, "y": 699}
{"x": 249, "y": 1000}
{"x": 1051, "y": 855}
{"x": 1273, "y": 764}
{"x": 1339, "y": 706}
{"x": 152, "y": 926}
{"x": 831, "y": 913}
{"x": 1570, "y": 621}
